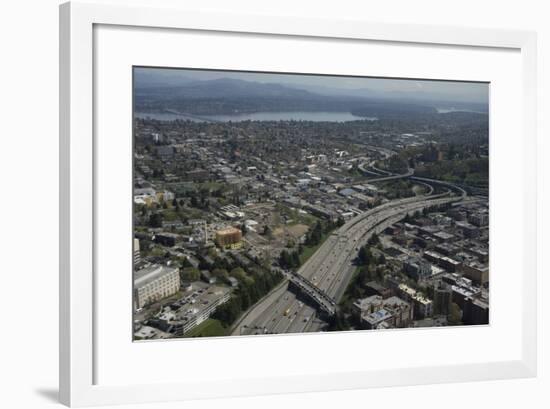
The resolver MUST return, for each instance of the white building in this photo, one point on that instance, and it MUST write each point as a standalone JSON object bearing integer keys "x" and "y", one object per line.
{"x": 154, "y": 283}
{"x": 137, "y": 257}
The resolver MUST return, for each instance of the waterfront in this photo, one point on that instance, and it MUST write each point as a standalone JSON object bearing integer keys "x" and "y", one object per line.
{"x": 257, "y": 116}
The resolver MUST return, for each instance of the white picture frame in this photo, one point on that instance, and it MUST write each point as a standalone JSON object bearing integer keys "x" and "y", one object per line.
{"x": 78, "y": 387}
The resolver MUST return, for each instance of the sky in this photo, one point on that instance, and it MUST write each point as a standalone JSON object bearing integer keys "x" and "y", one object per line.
{"x": 335, "y": 85}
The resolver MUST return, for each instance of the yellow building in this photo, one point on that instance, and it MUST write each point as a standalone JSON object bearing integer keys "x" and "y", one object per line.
{"x": 229, "y": 238}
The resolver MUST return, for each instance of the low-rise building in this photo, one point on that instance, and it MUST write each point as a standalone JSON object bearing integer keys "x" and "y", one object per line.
{"x": 366, "y": 305}
{"x": 445, "y": 262}
{"x": 476, "y": 272}
{"x": 417, "y": 268}
{"x": 194, "y": 308}
{"x": 166, "y": 239}
{"x": 208, "y": 277}
{"x": 423, "y": 306}
{"x": 402, "y": 313}
{"x": 475, "y": 312}
{"x": 442, "y": 299}
{"x": 468, "y": 230}
{"x": 374, "y": 288}
{"x": 376, "y": 319}
{"x": 398, "y": 313}
{"x": 479, "y": 219}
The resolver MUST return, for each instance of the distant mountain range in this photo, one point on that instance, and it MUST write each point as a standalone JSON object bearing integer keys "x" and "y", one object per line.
{"x": 235, "y": 96}
{"x": 224, "y": 88}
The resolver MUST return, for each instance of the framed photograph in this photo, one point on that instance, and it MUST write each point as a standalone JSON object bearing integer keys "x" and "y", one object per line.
{"x": 255, "y": 204}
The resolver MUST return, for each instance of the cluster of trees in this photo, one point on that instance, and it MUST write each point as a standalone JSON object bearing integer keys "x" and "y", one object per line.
{"x": 268, "y": 232}
{"x": 457, "y": 163}
{"x": 472, "y": 172}
{"x": 364, "y": 257}
{"x": 190, "y": 274}
{"x": 455, "y": 315}
{"x": 315, "y": 235}
{"x": 338, "y": 322}
{"x": 397, "y": 164}
{"x": 252, "y": 287}
{"x": 289, "y": 259}
{"x": 429, "y": 153}
{"x": 155, "y": 220}
{"x": 399, "y": 188}
{"x": 369, "y": 268}
{"x": 199, "y": 202}
{"x": 331, "y": 225}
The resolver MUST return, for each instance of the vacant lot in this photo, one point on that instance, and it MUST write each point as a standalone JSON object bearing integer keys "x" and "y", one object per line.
{"x": 295, "y": 231}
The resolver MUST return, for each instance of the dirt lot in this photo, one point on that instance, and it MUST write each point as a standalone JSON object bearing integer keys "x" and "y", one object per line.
{"x": 294, "y": 231}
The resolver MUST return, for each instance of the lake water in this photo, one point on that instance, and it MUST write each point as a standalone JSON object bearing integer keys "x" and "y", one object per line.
{"x": 258, "y": 116}
{"x": 452, "y": 109}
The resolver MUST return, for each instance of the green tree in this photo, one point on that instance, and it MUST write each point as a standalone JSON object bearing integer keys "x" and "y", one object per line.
{"x": 267, "y": 232}
{"x": 455, "y": 315}
{"x": 190, "y": 274}
{"x": 315, "y": 235}
{"x": 374, "y": 240}
{"x": 285, "y": 259}
{"x": 155, "y": 220}
{"x": 220, "y": 273}
{"x": 364, "y": 255}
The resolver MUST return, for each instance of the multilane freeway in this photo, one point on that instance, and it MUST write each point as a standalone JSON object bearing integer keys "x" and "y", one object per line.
{"x": 329, "y": 270}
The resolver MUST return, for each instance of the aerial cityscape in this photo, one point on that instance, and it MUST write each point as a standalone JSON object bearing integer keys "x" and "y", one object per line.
{"x": 290, "y": 203}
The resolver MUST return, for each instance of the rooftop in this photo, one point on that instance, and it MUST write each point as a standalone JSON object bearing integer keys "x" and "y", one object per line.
{"x": 228, "y": 230}
{"x": 146, "y": 275}
{"x": 377, "y": 317}
{"x": 194, "y": 302}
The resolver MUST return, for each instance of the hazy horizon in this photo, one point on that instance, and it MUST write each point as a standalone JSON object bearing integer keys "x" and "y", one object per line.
{"x": 414, "y": 89}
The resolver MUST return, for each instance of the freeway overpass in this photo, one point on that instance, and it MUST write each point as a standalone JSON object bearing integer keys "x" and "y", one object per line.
{"x": 314, "y": 293}
{"x": 382, "y": 175}
{"x": 409, "y": 173}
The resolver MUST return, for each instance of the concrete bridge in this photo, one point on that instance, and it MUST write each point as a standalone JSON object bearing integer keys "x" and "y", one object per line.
{"x": 312, "y": 292}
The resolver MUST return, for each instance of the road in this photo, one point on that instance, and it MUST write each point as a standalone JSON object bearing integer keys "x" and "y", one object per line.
{"x": 331, "y": 267}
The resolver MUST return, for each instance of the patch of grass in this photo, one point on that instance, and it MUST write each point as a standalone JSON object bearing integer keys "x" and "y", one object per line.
{"x": 208, "y": 328}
